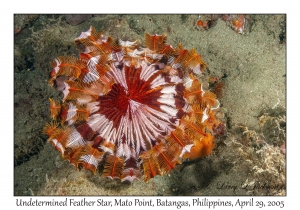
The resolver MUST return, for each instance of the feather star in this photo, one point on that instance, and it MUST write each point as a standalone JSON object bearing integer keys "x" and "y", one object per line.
{"x": 136, "y": 111}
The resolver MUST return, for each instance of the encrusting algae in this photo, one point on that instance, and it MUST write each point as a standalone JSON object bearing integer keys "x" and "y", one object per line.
{"x": 137, "y": 111}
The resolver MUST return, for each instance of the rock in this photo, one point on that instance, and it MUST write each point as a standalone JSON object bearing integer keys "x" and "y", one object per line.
{"x": 76, "y": 19}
